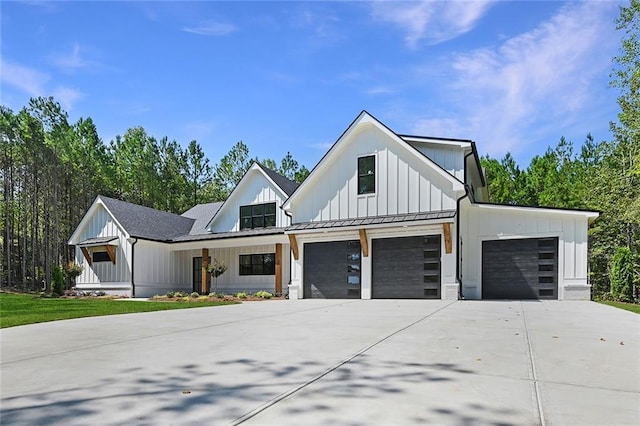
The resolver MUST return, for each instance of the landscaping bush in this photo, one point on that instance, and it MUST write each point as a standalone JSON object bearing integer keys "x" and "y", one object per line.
{"x": 195, "y": 295}
{"x": 213, "y": 294}
{"x": 170, "y": 294}
{"x": 264, "y": 294}
{"x": 241, "y": 295}
{"x": 57, "y": 280}
{"x": 622, "y": 275}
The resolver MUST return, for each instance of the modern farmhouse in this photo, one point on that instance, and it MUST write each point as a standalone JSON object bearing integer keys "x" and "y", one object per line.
{"x": 382, "y": 215}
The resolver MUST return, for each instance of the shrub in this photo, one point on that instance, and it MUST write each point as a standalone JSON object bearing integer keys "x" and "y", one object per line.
{"x": 179, "y": 294}
{"x": 170, "y": 294}
{"x": 212, "y": 294}
{"x": 195, "y": 294}
{"x": 264, "y": 294}
{"x": 622, "y": 275}
{"x": 57, "y": 279}
{"x": 241, "y": 295}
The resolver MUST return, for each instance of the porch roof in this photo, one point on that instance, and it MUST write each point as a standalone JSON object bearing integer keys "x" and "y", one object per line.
{"x": 374, "y": 220}
{"x": 225, "y": 235}
{"x": 98, "y": 241}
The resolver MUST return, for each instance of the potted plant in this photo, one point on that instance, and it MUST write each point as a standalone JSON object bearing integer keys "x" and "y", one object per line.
{"x": 72, "y": 271}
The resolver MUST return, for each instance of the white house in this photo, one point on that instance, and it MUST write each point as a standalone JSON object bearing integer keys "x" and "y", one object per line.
{"x": 382, "y": 215}
{"x": 138, "y": 251}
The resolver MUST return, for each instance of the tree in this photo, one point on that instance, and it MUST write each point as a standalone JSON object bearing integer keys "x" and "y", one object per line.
{"x": 230, "y": 170}
{"x": 622, "y": 275}
{"x": 198, "y": 171}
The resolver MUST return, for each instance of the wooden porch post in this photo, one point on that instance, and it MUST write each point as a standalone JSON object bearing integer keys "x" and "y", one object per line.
{"x": 278, "y": 268}
{"x": 448, "y": 246}
{"x": 205, "y": 274}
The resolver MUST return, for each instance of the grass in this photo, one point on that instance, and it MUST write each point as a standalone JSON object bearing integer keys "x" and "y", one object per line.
{"x": 633, "y": 307}
{"x": 21, "y": 309}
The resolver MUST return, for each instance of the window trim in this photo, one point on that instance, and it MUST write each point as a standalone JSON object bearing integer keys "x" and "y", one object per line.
{"x": 252, "y": 265}
{"x": 262, "y": 216}
{"x": 367, "y": 175}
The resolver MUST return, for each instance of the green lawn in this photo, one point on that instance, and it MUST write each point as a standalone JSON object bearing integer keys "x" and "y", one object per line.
{"x": 633, "y": 307}
{"x": 21, "y": 309}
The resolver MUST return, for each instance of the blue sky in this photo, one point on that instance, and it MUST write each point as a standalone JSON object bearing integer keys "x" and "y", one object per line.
{"x": 291, "y": 76}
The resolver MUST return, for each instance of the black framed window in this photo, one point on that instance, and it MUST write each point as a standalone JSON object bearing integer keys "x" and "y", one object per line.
{"x": 367, "y": 174}
{"x": 258, "y": 216}
{"x": 100, "y": 256}
{"x": 258, "y": 264}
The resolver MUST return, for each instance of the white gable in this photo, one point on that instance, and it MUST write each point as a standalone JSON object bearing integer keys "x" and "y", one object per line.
{"x": 254, "y": 188}
{"x": 97, "y": 222}
{"x": 406, "y": 180}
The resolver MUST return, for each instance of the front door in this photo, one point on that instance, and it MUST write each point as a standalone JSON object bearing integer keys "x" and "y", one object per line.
{"x": 197, "y": 273}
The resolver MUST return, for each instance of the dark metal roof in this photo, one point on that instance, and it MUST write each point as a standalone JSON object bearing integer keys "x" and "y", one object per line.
{"x": 148, "y": 223}
{"x": 225, "y": 235}
{"x": 287, "y": 185}
{"x": 375, "y": 220}
{"x": 98, "y": 241}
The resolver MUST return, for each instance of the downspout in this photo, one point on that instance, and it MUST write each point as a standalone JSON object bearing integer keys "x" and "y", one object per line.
{"x": 133, "y": 263}
{"x": 458, "y": 245}
{"x": 290, "y": 262}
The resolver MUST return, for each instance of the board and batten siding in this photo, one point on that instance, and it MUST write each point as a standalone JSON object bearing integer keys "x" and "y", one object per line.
{"x": 231, "y": 281}
{"x": 449, "y": 157}
{"x": 404, "y": 182}
{"x": 105, "y": 275}
{"x": 255, "y": 189}
{"x": 485, "y": 222}
{"x": 158, "y": 270}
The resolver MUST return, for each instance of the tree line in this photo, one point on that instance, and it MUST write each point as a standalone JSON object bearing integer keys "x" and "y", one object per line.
{"x": 52, "y": 170}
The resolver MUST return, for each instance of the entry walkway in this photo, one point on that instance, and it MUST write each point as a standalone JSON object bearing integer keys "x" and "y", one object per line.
{"x": 329, "y": 362}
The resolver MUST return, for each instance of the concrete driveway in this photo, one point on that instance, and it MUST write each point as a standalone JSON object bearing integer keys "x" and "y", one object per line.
{"x": 334, "y": 362}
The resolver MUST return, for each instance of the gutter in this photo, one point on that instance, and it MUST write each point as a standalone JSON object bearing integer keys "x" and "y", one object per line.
{"x": 290, "y": 216}
{"x": 133, "y": 265}
{"x": 458, "y": 244}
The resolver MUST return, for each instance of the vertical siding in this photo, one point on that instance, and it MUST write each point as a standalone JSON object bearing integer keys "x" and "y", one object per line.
{"x": 104, "y": 274}
{"x": 479, "y": 224}
{"x": 255, "y": 189}
{"x": 449, "y": 157}
{"x": 405, "y": 183}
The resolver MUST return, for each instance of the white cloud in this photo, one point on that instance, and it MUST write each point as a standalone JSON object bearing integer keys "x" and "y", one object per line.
{"x": 534, "y": 83}
{"x": 212, "y": 28}
{"x": 379, "y": 90}
{"x": 67, "y": 96}
{"x": 35, "y": 83}
{"x": 433, "y": 21}
{"x": 71, "y": 60}
{"x": 23, "y": 78}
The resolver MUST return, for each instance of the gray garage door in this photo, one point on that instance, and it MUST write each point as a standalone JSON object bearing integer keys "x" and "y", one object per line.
{"x": 406, "y": 268}
{"x": 520, "y": 269}
{"x": 332, "y": 270}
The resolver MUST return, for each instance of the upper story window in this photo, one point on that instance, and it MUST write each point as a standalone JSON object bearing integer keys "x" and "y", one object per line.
{"x": 367, "y": 175}
{"x": 258, "y": 216}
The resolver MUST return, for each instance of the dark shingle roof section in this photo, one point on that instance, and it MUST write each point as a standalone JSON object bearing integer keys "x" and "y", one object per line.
{"x": 288, "y": 186}
{"x": 202, "y": 215}
{"x": 148, "y": 223}
{"x": 376, "y": 220}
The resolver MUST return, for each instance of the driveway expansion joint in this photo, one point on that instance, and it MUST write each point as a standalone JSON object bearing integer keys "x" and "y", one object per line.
{"x": 532, "y": 365}
{"x": 249, "y": 415}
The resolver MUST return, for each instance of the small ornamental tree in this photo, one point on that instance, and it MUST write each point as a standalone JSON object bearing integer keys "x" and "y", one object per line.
{"x": 215, "y": 269}
{"x": 72, "y": 271}
{"x": 57, "y": 279}
{"x": 622, "y": 275}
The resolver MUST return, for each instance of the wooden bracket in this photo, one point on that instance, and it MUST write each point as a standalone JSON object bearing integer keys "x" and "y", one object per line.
{"x": 294, "y": 246}
{"x": 87, "y": 255}
{"x": 448, "y": 246}
{"x": 111, "y": 251}
{"x": 364, "y": 243}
